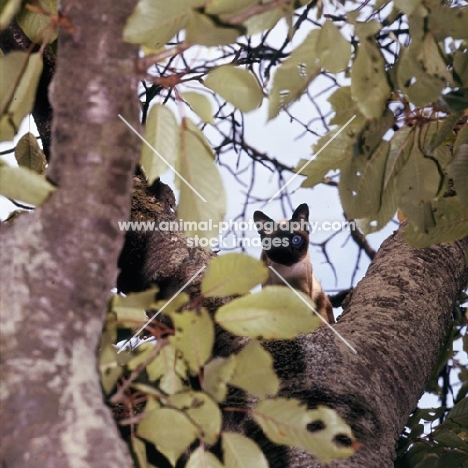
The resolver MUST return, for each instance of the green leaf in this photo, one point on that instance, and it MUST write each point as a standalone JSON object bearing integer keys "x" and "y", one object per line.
{"x": 273, "y": 313}
{"x": 25, "y": 185}
{"x": 407, "y": 6}
{"x": 217, "y": 374}
{"x": 217, "y": 7}
{"x": 240, "y": 451}
{"x": 202, "y": 411}
{"x": 295, "y": 74}
{"x": 417, "y": 184}
{"x": 200, "y": 104}
{"x": 139, "y": 450}
{"x": 236, "y": 85}
{"x": 344, "y": 107}
{"x": 39, "y": 26}
{"x": 422, "y": 73}
{"x": 169, "y": 367}
{"x": 8, "y": 9}
{"x": 194, "y": 337}
{"x": 446, "y": 20}
{"x": 19, "y": 77}
{"x": 154, "y": 23}
{"x": 131, "y": 308}
{"x": 259, "y": 23}
{"x": 401, "y": 146}
{"x": 196, "y": 165}
{"x": 444, "y": 133}
{"x": 254, "y": 371}
{"x": 28, "y": 154}
{"x": 459, "y": 414}
{"x": 369, "y": 84}
{"x": 361, "y": 181}
{"x": 460, "y": 66}
{"x": 169, "y": 430}
{"x": 162, "y": 133}
{"x": 285, "y": 422}
{"x": 232, "y": 274}
{"x": 451, "y": 223}
{"x": 202, "y": 30}
{"x": 332, "y": 152}
{"x": 332, "y": 48}
{"x": 201, "y": 458}
{"x": 379, "y": 220}
{"x": 109, "y": 367}
{"x": 458, "y": 170}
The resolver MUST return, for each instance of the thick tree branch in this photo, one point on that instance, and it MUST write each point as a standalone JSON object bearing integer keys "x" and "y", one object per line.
{"x": 60, "y": 262}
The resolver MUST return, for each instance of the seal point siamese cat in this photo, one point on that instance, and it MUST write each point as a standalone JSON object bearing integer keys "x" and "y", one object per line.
{"x": 286, "y": 248}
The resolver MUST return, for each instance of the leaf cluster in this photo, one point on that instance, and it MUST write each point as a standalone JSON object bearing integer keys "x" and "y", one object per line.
{"x": 186, "y": 389}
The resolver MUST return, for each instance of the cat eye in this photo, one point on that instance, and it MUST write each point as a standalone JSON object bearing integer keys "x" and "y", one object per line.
{"x": 296, "y": 240}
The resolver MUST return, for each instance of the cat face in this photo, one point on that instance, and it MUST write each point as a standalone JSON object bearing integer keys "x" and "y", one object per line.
{"x": 286, "y": 241}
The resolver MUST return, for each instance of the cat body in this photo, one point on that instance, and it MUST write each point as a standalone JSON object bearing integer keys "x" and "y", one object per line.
{"x": 286, "y": 249}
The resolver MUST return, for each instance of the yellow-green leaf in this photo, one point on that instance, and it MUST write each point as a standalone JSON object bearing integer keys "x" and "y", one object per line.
{"x": 39, "y": 26}
{"x": 254, "y": 371}
{"x": 241, "y": 452}
{"x": 169, "y": 367}
{"x": 162, "y": 133}
{"x": 458, "y": 167}
{"x": 274, "y": 313}
{"x": 217, "y": 374}
{"x": 361, "y": 181}
{"x": 285, "y": 422}
{"x": 25, "y": 185}
{"x": 232, "y": 274}
{"x": 450, "y": 223}
{"x": 369, "y": 86}
{"x": 8, "y": 9}
{"x": 200, "y": 104}
{"x": 109, "y": 367}
{"x": 236, "y": 85}
{"x": 416, "y": 185}
{"x": 422, "y": 72}
{"x": 202, "y": 197}
{"x": 332, "y": 48}
{"x": 294, "y": 75}
{"x": 217, "y": 7}
{"x": 28, "y": 154}
{"x": 201, "y": 458}
{"x": 259, "y": 23}
{"x": 194, "y": 337}
{"x": 202, "y": 411}
{"x": 202, "y": 30}
{"x": 19, "y": 77}
{"x": 154, "y": 23}
{"x": 131, "y": 308}
{"x": 169, "y": 430}
{"x": 139, "y": 449}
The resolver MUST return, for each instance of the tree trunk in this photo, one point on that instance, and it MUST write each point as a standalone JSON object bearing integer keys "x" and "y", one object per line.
{"x": 60, "y": 262}
{"x": 396, "y": 320}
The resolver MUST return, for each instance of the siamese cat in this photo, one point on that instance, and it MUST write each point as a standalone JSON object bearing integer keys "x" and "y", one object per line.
{"x": 286, "y": 248}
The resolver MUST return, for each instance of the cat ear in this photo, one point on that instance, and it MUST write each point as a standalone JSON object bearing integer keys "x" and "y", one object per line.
{"x": 260, "y": 219}
{"x": 301, "y": 213}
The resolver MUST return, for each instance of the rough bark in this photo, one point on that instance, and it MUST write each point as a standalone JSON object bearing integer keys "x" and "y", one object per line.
{"x": 396, "y": 320}
{"x": 60, "y": 262}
